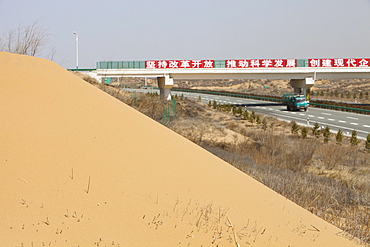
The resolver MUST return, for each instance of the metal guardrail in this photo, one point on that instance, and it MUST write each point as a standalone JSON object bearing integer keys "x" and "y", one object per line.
{"x": 342, "y": 108}
{"x": 76, "y": 70}
{"x": 228, "y": 94}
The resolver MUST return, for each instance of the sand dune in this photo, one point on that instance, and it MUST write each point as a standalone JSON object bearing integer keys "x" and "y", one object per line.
{"x": 80, "y": 168}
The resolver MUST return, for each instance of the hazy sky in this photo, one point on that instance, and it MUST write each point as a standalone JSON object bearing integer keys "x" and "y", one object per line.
{"x": 123, "y": 30}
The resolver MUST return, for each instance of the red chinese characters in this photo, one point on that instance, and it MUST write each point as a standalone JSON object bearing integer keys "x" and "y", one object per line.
{"x": 261, "y": 63}
{"x": 339, "y": 62}
{"x": 363, "y": 62}
{"x": 258, "y": 63}
{"x": 179, "y": 64}
{"x": 314, "y": 62}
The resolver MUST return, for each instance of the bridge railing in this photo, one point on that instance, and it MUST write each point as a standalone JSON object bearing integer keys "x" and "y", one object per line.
{"x": 141, "y": 64}
{"x": 120, "y": 65}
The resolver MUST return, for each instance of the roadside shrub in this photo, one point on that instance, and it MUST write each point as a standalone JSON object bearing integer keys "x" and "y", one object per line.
{"x": 214, "y": 104}
{"x": 295, "y": 128}
{"x": 264, "y": 124}
{"x": 304, "y": 132}
{"x": 339, "y": 137}
{"x": 252, "y": 117}
{"x": 239, "y": 110}
{"x": 258, "y": 119}
{"x": 246, "y": 115}
{"x": 233, "y": 110}
{"x": 316, "y": 130}
{"x": 367, "y": 143}
{"x": 354, "y": 140}
{"x": 326, "y": 134}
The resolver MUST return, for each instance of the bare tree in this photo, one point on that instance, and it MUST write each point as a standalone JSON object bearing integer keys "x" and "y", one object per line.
{"x": 27, "y": 40}
{"x": 52, "y": 53}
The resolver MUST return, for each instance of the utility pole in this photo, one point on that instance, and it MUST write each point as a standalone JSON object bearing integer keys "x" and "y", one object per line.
{"x": 76, "y": 49}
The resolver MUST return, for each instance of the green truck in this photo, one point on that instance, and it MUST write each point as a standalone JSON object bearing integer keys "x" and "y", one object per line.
{"x": 295, "y": 102}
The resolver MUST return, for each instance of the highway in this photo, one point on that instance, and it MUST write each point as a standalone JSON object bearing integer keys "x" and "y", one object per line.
{"x": 345, "y": 121}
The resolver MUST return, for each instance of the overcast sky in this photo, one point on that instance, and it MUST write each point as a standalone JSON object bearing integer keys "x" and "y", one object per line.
{"x": 122, "y": 30}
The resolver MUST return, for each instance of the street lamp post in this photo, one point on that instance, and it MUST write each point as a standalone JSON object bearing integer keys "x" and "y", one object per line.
{"x": 76, "y": 49}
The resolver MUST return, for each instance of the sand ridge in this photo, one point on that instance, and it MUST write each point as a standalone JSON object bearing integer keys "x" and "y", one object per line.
{"x": 80, "y": 168}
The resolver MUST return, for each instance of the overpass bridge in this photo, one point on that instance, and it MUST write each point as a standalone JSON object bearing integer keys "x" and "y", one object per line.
{"x": 302, "y": 73}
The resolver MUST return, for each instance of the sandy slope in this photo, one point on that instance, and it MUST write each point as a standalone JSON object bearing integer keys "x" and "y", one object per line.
{"x": 148, "y": 186}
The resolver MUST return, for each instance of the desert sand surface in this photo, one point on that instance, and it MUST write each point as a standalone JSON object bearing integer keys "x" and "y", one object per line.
{"x": 80, "y": 168}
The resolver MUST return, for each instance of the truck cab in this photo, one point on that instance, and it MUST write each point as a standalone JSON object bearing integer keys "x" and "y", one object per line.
{"x": 295, "y": 102}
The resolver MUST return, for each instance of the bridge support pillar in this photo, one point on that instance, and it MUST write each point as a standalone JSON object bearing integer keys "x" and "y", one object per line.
{"x": 302, "y": 86}
{"x": 165, "y": 84}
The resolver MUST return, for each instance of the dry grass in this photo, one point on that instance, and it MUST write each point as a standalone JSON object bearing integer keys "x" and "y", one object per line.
{"x": 330, "y": 180}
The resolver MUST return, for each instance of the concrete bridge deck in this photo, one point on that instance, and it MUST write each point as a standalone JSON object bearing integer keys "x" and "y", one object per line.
{"x": 301, "y": 73}
{"x": 243, "y": 73}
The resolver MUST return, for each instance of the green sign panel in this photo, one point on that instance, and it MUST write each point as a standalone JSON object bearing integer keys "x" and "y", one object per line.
{"x": 107, "y": 80}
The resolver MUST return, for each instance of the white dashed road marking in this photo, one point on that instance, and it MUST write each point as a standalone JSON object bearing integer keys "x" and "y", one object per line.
{"x": 353, "y": 118}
